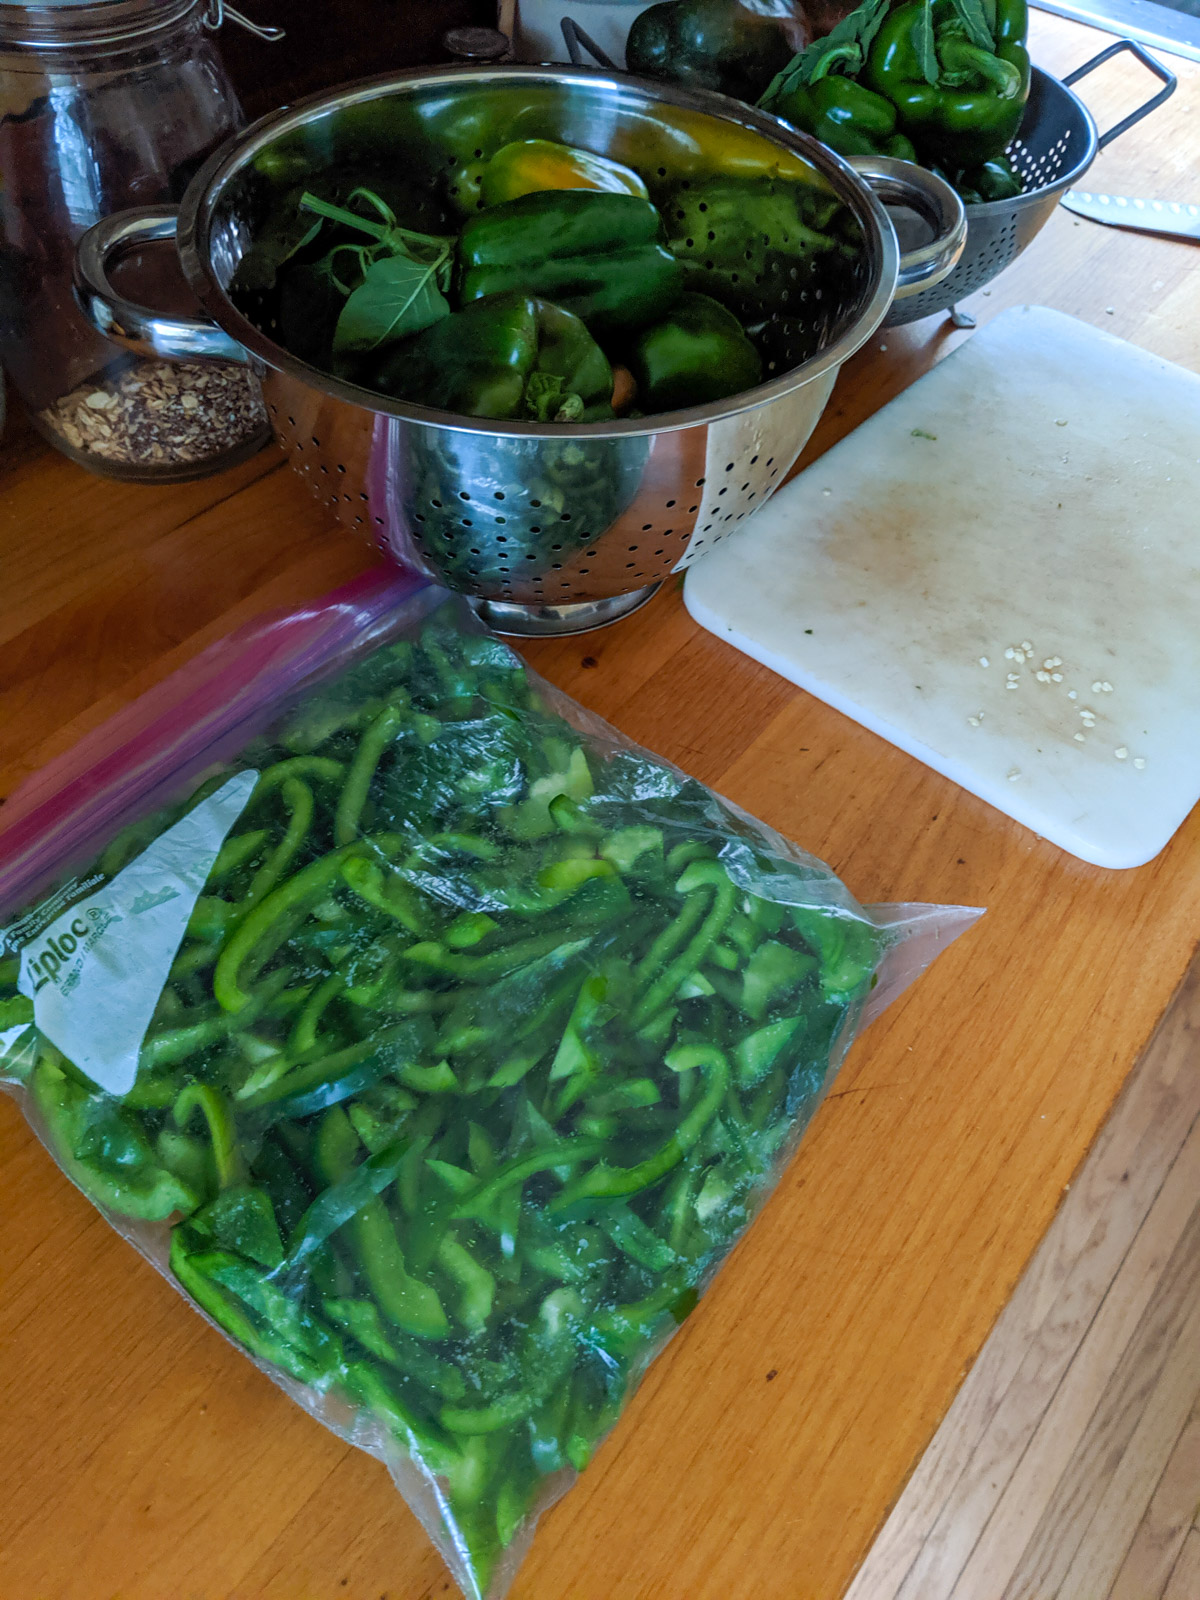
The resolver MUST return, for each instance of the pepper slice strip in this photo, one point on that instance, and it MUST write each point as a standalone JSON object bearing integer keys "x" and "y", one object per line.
{"x": 255, "y": 1312}
{"x": 336, "y": 1075}
{"x": 375, "y": 740}
{"x": 570, "y": 1152}
{"x": 298, "y": 798}
{"x": 105, "y": 1150}
{"x": 218, "y": 1114}
{"x": 391, "y": 895}
{"x": 696, "y": 877}
{"x": 253, "y": 935}
{"x": 404, "y": 1300}
{"x": 550, "y": 1351}
{"x": 603, "y": 1181}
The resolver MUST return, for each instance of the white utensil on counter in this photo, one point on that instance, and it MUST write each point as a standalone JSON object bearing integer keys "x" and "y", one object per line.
{"x": 1000, "y": 573}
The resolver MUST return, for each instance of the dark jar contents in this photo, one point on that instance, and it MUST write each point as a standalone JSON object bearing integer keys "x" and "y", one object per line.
{"x": 160, "y": 415}
{"x": 106, "y": 105}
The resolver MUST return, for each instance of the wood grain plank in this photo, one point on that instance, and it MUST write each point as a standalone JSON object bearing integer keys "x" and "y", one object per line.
{"x": 1184, "y": 1582}
{"x": 1158, "y": 1542}
{"x": 959, "y": 1480}
{"x": 1110, "y": 1504}
{"x": 1114, "y": 1416}
{"x": 1000, "y": 1549}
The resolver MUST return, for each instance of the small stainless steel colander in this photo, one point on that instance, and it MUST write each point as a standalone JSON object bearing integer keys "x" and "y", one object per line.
{"x": 1055, "y": 146}
{"x": 549, "y": 527}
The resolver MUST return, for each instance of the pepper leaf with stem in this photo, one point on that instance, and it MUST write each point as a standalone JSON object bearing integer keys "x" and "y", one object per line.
{"x": 974, "y": 20}
{"x": 397, "y": 297}
{"x": 926, "y": 45}
{"x": 842, "y": 50}
{"x": 404, "y": 276}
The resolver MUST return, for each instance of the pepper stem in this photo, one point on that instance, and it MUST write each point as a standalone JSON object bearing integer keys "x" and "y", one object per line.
{"x": 957, "y": 54}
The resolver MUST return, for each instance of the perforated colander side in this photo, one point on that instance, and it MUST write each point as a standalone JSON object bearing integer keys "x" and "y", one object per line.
{"x": 1053, "y": 149}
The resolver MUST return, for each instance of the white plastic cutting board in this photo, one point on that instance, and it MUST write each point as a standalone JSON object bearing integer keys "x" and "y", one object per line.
{"x": 1000, "y": 573}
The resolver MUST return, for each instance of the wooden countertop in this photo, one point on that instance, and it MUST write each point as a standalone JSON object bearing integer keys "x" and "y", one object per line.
{"x": 148, "y": 1460}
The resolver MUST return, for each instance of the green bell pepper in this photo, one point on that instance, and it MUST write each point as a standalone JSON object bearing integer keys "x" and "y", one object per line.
{"x": 506, "y": 355}
{"x": 601, "y": 256}
{"x": 531, "y": 166}
{"x": 996, "y": 179}
{"x": 755, "y": 244}
{"x": 847, "y": 116}
{"x": 959, "y": 102}
{"x": 698, "y": 354}
{"x": 714, "y": 44}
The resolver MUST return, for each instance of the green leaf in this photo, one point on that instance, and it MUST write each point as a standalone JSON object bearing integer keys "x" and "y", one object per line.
{"x": 926, "y": 46}
{"x": 974, "y": 19}
{"x": 397, "y": 297}
{"x": 844, "y": 49}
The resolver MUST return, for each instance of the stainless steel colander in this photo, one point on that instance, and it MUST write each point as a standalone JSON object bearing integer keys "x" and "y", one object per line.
{"x": 1055, "y": 146}
{"x": 550, "y": 528}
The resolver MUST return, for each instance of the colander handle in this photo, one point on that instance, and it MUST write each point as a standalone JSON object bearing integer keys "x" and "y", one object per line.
{"x": 900, "y": 183}
{"x": 125, "y": 322}
{"x": 1165, "y": 76}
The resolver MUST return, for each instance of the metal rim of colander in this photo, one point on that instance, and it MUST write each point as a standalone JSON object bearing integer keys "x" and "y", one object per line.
{"x": 1031, "y": 197}
{"x": 198, "y": 210}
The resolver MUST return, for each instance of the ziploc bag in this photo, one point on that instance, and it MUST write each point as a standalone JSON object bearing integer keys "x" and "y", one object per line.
{"x": 436, "y": 1042}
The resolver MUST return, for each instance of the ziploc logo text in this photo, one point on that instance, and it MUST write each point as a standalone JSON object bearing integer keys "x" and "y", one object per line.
{"x": 47, "y": 963}
{"x": 95, "y": 974}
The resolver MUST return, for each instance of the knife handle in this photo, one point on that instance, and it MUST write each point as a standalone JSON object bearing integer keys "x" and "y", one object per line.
{"x": 1165, "y": 76}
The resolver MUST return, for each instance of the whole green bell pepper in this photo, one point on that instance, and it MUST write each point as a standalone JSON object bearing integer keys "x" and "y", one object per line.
{"x": 755, "y": 244}
{"x": 601, "y": 256}
{"x": 993, "y": 180}
{"x": 847, "y": 116}
{"x": 505, "y": 356}
{"x": 715, "y": 44}
{"x": 697, "y": 354}
{"x": 533, "y": 166}
{"x": 959, "y": 102}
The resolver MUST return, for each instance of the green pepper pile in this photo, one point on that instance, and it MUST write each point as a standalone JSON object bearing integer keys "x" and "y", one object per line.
{"x": 942, "y": 82}
{"x": 480, "y": 1050}
{"x": 563, "y": 269}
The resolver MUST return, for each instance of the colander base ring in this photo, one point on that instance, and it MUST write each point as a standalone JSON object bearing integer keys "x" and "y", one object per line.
{"x": 540, "y": 622}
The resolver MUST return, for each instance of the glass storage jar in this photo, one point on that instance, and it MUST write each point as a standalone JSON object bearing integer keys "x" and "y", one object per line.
{"x": 106, "y": 104}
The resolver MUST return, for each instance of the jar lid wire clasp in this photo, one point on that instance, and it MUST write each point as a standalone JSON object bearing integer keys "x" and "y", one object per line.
{"x": 217, "y": 11}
